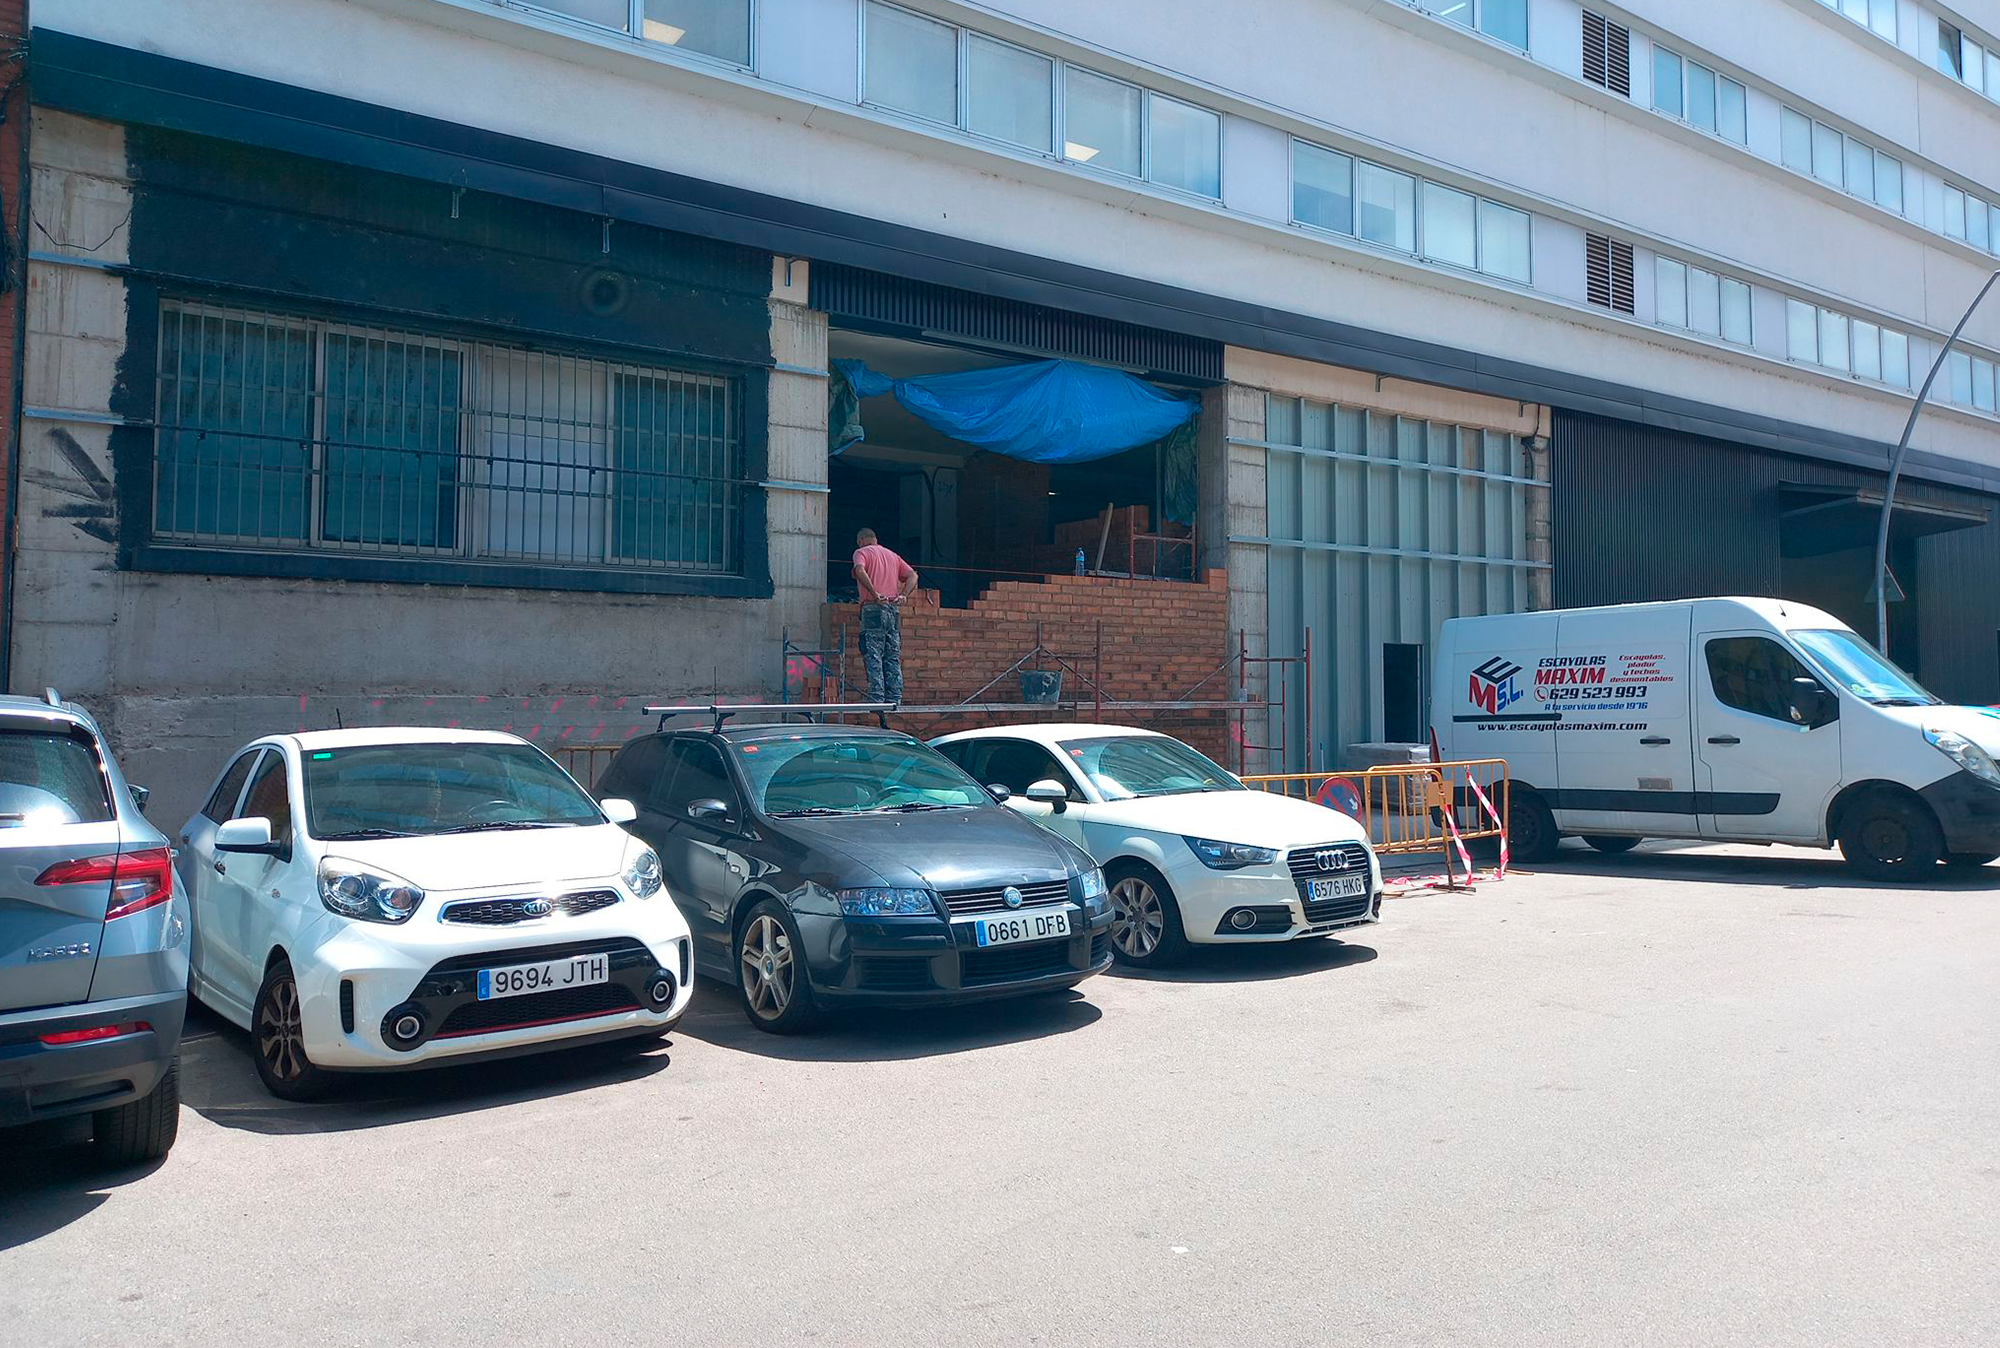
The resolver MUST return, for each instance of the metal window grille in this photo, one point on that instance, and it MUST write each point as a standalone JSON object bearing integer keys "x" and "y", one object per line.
{"x": 1608, "y": 273}
{"x": 276, "y": 431}
{"x": 1607, "y": 54}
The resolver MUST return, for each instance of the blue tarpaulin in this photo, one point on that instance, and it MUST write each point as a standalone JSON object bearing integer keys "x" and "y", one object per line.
{"x": 1052, "y": 411}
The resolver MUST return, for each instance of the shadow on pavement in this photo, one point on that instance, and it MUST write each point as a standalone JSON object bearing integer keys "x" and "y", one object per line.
{"x": 890, "y": 1035}
{"x": 1783, "y": 866}
{"x": 1253, "y": 963}
{"x": 219, "y": 1082}
{"x": 50, "y": 1177}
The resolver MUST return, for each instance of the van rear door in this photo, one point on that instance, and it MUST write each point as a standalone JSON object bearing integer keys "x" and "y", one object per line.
{"x": 1618, "y": 682}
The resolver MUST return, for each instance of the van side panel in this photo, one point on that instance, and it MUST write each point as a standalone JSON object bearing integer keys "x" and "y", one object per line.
{"x": 1618, "y": 682}
{"x": 1483, "y": 695}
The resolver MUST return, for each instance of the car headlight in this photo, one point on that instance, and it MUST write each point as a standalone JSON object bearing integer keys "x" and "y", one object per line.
{"x": 886, "y": 902}
{"x": 642, "y": 872}
{"x": 1965, "y": 753}
{"x": 1093, "y": 886}
{"x": 1227, "y": 856}
{"x": 366, "y": 893}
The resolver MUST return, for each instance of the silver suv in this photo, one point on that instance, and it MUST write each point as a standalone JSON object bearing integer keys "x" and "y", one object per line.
{"x": 93, "y": 938}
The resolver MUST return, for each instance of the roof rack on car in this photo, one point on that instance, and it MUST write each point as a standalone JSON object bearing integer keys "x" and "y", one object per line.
{"x": 52, "y": 697}
{"x": 812, "y": 711}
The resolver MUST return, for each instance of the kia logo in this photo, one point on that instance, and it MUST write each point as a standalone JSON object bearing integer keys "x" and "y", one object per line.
{"x": 1331, "y": 859}
{"x": 1012, "y": 896}
{"x": 538, "y": 907}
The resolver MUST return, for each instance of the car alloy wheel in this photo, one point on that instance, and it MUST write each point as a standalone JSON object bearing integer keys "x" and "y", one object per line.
{"x": 768, "y": 968}
{"x": 1138, "y": 918}
{"x": 281, "y": 1039}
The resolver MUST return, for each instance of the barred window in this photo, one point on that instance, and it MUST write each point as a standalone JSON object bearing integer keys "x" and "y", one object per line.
{"x": 294, "y": 433}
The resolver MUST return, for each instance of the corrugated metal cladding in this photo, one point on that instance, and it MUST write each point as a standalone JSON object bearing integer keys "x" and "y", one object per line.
{"x": 1644, "y": 514}
{"x": 1381, "y": 527}
{"x": 910, "y": 308}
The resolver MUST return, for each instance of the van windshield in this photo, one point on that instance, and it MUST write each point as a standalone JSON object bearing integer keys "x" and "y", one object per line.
{"x": 1859, "y": 668}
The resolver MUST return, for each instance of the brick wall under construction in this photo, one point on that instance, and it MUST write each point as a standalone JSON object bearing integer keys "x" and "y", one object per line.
{"x": 1160, "y": 640}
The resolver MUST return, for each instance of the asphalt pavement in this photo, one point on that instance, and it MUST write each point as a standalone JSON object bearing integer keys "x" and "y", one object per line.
{"x": 1687, "y": 1096}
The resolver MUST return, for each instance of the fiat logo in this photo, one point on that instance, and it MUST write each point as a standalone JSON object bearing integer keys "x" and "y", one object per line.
{"x": 1012, "y": 896}
{"x": 1331, "y": 859}
{"x": 538, "y": 907}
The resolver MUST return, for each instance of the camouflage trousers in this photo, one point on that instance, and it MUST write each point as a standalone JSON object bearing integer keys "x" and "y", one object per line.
{"x": 882, "y": 651}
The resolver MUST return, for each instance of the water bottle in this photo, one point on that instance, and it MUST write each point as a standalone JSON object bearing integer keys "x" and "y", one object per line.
{"x": 1079, "y": 561}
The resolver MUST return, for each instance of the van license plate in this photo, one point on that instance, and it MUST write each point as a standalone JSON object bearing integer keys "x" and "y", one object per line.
{"x": 1346, "y": 887}
{"x": 518, "y": 980}
{"x": 1033, "y": 924}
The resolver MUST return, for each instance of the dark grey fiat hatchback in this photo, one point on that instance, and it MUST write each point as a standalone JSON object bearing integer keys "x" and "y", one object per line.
{"x": 823, "y": 865}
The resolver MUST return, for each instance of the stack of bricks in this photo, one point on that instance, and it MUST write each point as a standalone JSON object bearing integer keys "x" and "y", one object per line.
{"x": 1161, "y": 638}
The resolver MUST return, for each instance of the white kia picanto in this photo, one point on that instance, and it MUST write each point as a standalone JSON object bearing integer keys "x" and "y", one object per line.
{"x": 384, "y": 898}
{"x": 1190, "y": 854}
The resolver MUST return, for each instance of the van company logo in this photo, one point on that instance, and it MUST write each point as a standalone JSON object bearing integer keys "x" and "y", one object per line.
{"x": 1492, "y": 689}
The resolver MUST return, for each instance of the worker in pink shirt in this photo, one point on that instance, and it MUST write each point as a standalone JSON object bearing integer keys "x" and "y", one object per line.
{"x": 886, "y": 582}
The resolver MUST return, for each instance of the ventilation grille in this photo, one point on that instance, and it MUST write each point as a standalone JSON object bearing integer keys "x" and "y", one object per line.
{"x": 914, "y": 308}
{"x": 1607, "y": 54}
{"x": 1608, "y": 263}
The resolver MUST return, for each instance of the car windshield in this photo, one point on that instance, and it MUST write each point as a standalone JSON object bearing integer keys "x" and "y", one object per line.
{"x": 1130, "y": 766}
{"x": 816, "y": 775}
{"x": 1858, "y": 667}
{"x": 420, "y": 790}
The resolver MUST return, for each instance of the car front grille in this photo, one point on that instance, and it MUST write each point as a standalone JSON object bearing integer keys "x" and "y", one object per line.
{"x": 1337, "y": 910}
{"x": 537, "y": 1008}
{"x": 1008, "y": 964}
{"x": 993, "y": 898}
{"x": 509, "y": 912}
{"x": 1309, "y": 863}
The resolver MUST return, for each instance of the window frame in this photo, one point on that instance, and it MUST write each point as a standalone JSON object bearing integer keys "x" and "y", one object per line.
{"x": 1687, "y": 65}
{"x": 143, "y": 547}
{"x": 634, "y": 32}
{"x": 1478, "y": 8}
{"x": 1059, "y": 69}
{"x": 1418, "y": 250}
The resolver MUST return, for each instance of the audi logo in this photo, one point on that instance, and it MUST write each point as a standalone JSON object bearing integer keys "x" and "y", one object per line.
{"x": 1331, "y": 859}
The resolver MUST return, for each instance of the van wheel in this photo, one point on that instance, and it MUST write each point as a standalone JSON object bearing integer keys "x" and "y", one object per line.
{"x": 1888, "y": 838}
{"x": 1531, "y": 828}
{"x": 144, "y": 1129}
{"x": 1610, "y": 846}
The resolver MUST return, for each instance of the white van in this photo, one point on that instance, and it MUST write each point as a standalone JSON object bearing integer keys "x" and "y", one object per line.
{"x": 1739, "y": 720}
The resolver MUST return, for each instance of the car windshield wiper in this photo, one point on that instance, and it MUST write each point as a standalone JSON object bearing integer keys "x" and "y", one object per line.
{"x": 911, "y": 806}
{"x": 365, "y": 834}
{"x": 808, "y": 810}
{"x": 496, "y": 825}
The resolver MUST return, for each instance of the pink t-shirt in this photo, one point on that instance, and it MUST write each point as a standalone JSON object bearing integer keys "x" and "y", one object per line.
{"x": 884, "y": 569}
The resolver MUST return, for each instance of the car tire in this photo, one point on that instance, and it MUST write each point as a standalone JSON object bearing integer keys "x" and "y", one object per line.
{"x": 1610, "y": 846}
{"x": 771, "y": 974}
{"x": 1146, "y": 930}
{"x": 1970, "y": 861}
{"x": 143, "y": 1129}
{"x": 277, "y": 1040}
{"x": 1886, "y": 837}
{"x": 1531, "y": 828}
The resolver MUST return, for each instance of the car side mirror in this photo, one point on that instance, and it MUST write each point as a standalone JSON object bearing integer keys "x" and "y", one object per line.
{"x": 1050, "y": 793}
{"x": 248, "y": 834}
{"x": 1813, "y": 704}
{"x": 140, "y": 795}
{"x": 618, "y": 810}
{"x": 710, "y": 812}
{"x": 999, "y": 793}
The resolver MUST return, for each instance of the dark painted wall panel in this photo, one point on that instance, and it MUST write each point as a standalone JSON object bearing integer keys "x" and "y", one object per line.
{"x": 1645, "y": 514}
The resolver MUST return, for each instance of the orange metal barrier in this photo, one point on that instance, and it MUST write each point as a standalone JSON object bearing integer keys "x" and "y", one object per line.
{"x": 1403, "y": 807}
{"x": 587, "y": 762}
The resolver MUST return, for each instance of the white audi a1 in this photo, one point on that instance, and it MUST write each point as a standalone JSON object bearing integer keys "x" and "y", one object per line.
{"x": 1191, "y": 855}
{"x": 368, "y": 899}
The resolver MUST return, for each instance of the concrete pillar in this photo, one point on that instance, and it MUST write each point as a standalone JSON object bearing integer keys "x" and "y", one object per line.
{"x": 798, "y": 458}
{"x": 1536, "y": 455}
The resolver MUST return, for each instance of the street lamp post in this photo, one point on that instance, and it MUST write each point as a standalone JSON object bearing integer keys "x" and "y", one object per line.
{"x": 1896, "y": 471}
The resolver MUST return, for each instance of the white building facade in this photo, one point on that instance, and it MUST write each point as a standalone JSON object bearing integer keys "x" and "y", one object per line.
{"x": 1492, "y": 304}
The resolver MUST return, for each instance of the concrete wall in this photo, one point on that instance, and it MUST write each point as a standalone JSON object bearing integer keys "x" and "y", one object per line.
{"x": 184, "y": 668}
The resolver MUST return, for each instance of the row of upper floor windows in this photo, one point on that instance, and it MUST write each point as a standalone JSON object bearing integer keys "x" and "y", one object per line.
{"x": 980, "y": 87}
